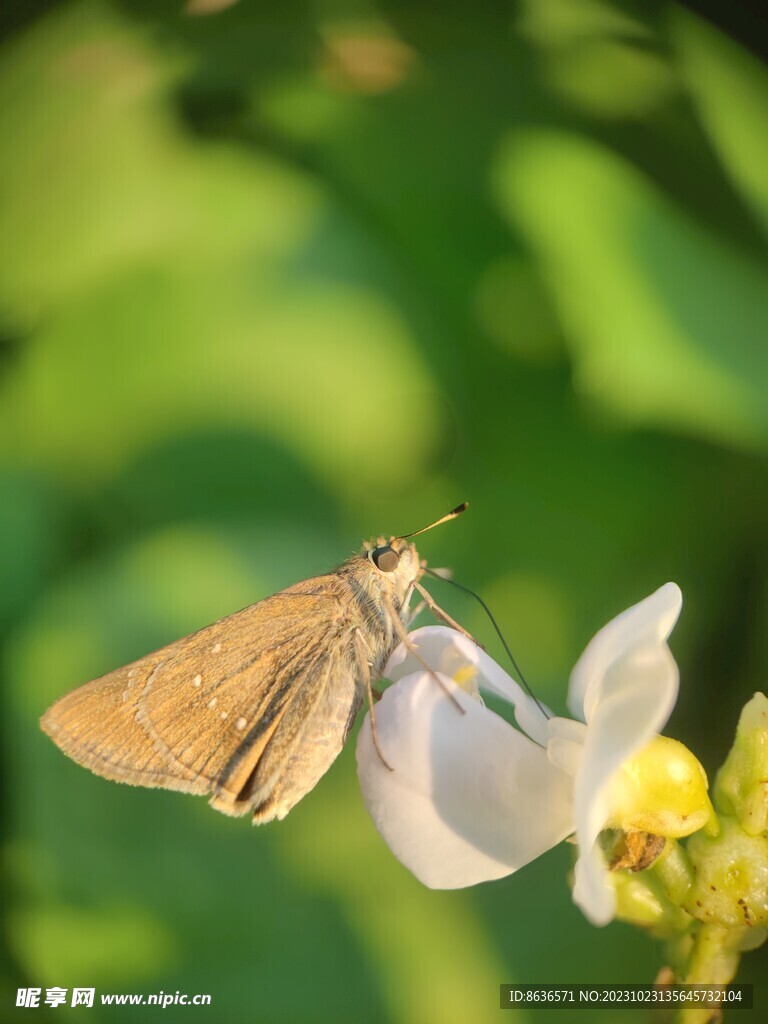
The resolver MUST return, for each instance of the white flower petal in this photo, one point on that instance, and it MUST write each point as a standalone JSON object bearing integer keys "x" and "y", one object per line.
{"x": 592, "y": 890}
{"x": 446, "y": 650}
{"x": 432, "y": 642}
{"x": 532, "y": 718}
{"x": 566, "y": 741}
{"x": 648, "y": 622}
{"x": 633, "y": 708}
{"x": 469, "y": 798}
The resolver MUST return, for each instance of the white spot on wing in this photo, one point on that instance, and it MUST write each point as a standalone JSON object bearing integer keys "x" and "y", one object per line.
{"x": 197, "y": 680}
{"x": 216, "y": 648}
{"x": 241, "y": 723}
{"x": 212, "y": 702}
{"x": 224, "y": 715}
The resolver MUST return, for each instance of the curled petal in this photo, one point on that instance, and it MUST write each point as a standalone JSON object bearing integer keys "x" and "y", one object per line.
{"x": 469, "y": 798}
{"x": 645, "y": 624}
{"x": 640, "y": 698}
{"x": 663, "y": 790}
{"x": 449, "y": 651}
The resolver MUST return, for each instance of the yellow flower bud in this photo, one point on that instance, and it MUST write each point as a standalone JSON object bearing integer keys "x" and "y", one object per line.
{"x": 662, "y": 789}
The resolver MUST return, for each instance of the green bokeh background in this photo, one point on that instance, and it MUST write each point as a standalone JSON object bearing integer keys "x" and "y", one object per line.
{"x": 276, "y": 277}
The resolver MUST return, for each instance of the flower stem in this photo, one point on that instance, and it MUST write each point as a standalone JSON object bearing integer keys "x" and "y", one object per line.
{"x": 673, "y": 869}
{"x": 714, "y": 960}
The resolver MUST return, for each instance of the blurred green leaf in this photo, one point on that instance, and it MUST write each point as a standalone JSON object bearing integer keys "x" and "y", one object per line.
{"x": 31, "y": 533}
{"x": 559, "y": 21}
{"x": 101, "y": 177}
{"x": 111, "y": 945}
{"x": 184, "y": 300}
{"x": 730, "y": 89}
{"x": 665, "y": 322}
{"x": 609, "y": 78}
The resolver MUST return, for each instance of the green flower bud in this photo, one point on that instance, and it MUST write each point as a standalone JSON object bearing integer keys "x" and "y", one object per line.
{"x": 741, "y": 787}
{"x": 641, "y": 901}
{"x": 730, "y": 886}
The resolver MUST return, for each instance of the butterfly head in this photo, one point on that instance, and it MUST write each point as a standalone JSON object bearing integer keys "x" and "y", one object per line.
{"x": 394, "y": 561}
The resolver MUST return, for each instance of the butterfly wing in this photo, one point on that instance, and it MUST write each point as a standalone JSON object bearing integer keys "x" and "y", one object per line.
{"x": 311, "y": 738}
{"x": 226, "y": 710}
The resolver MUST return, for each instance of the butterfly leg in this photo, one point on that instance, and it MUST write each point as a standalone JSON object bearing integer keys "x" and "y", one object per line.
{"x": 409, "y": 614}
{"x": 365, "y": 670}
{"x": 412, "y": 613}
{"x": 435, "y": 608}
{"x": 414, "y": 650}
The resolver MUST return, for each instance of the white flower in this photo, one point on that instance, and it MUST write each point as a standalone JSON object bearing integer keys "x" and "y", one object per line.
{"x": 470, "y": 798}
{"x": 623, "y": 687}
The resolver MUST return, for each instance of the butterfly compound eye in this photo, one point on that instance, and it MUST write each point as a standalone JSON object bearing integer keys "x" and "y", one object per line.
{"x": 385, "y": 558}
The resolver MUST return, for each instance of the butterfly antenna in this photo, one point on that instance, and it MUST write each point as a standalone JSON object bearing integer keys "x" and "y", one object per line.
{"x": 443, "y": 519}
{"x": 495, "y": 625}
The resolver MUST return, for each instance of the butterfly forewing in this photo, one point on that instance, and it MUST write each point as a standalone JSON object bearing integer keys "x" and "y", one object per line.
{"x": 222, "y": 711}
{"x": 96, "y": 725}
